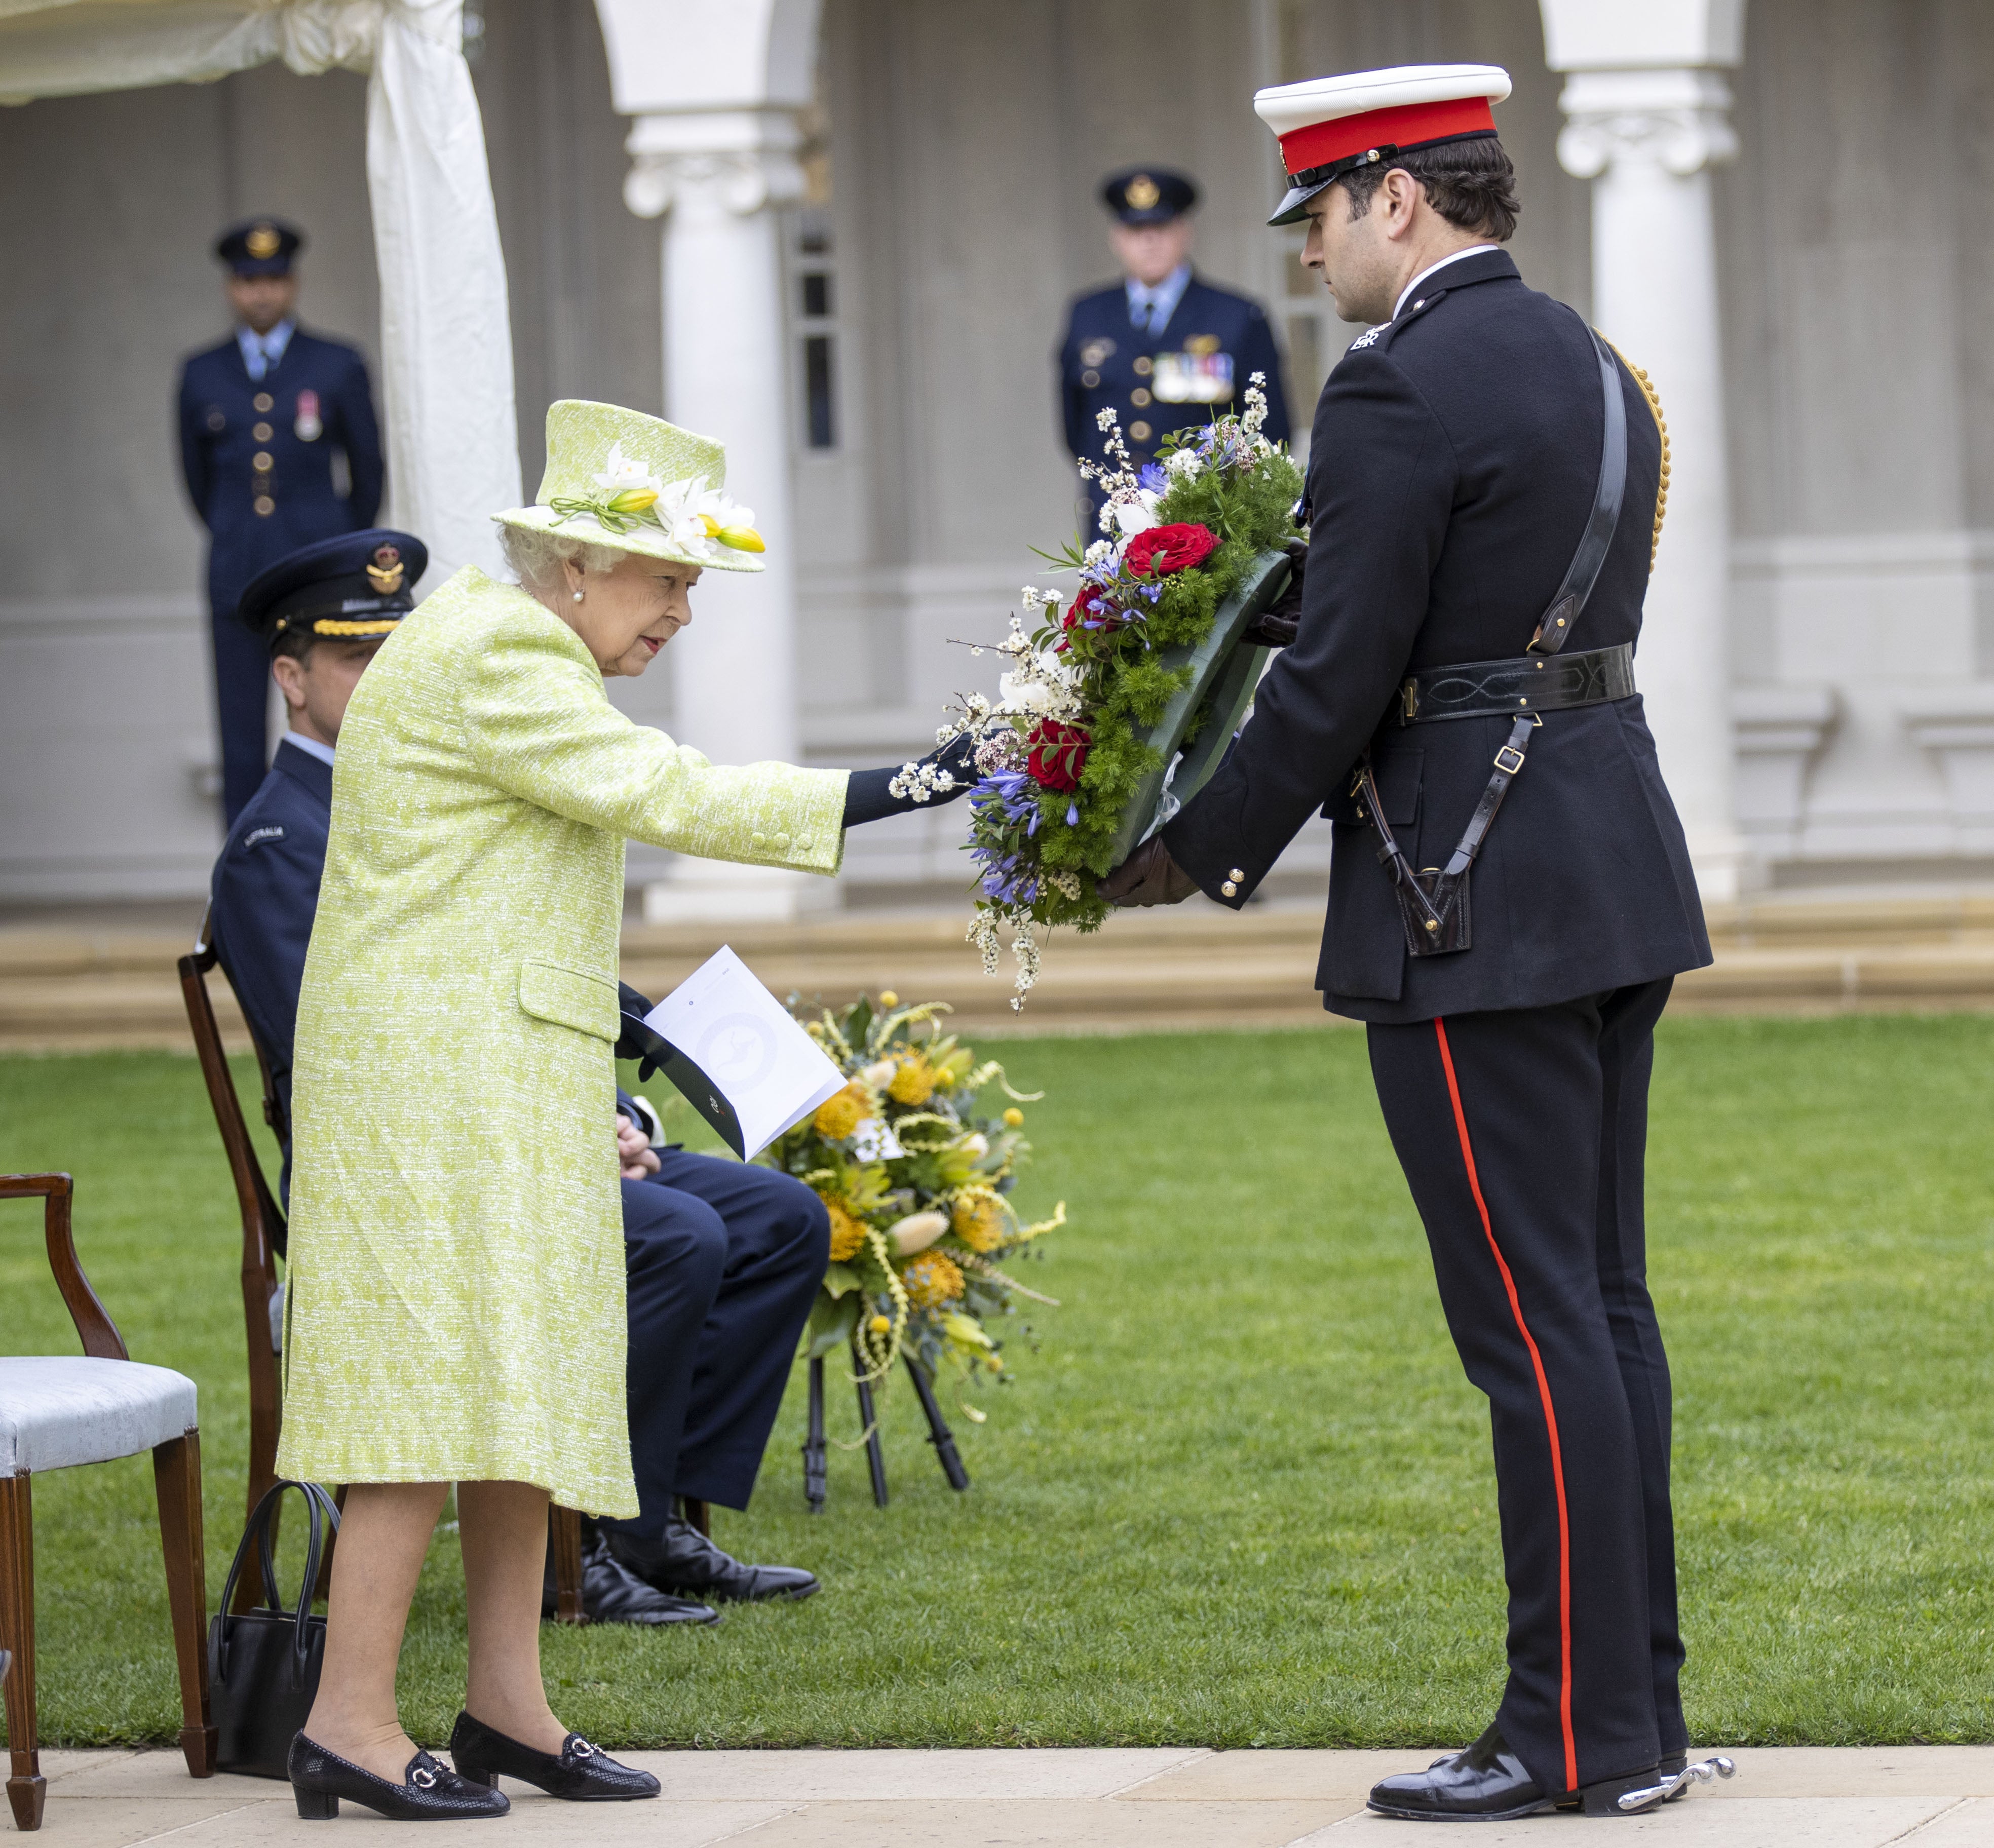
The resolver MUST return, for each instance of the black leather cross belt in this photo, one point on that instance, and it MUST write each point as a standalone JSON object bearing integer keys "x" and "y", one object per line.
{"x": 1476, "y": 690}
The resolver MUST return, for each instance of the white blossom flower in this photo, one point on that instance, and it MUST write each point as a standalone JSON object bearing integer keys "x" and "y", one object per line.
{"x": 1137, "y": 513}
{"x": 620, "y": 471}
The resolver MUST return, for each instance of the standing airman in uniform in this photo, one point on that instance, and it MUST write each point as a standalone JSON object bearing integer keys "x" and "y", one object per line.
{"x": 1162, "y": 349}
{"x": 1484, "y": 487}
{"x": 262, "y": 418}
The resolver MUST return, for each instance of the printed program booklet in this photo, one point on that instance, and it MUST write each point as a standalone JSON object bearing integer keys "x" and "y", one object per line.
{"x": 735, "y": 1054}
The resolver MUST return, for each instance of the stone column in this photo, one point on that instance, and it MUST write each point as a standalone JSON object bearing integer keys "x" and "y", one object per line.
{"x": 1647, "y": 119}
{"x": 1646, "y": 139}
{"x": 716, "y": 177}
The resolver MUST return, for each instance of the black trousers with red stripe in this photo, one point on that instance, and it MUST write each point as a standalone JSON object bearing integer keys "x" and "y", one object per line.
{"x": 1523, "y": 1135}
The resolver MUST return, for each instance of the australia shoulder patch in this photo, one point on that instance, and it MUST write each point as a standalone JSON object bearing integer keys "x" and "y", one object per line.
{"x": 256, "y": 836}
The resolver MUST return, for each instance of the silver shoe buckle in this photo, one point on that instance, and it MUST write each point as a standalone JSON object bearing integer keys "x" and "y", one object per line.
{"x": 1708, "y": 1771}
{"x": 422, "y": 1778}
{"x": 582, "y": 1749}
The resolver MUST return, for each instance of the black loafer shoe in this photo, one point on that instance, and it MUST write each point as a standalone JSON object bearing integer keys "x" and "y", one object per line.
{"x": 686, "y": 1562}
{"x": 611, "y": 1593}
{"x": 580, "y": 1772}
{"x": 1485, "y": 1784}
{"x": 429, "y": 1792}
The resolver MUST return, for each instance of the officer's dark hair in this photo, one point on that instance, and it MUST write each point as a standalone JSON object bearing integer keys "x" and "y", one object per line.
{"x": 297, "y": 641}
{"x": 1469, "y": 183}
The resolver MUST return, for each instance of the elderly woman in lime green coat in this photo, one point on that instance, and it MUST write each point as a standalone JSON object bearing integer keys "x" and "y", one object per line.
{"x": 456, "y": 1305}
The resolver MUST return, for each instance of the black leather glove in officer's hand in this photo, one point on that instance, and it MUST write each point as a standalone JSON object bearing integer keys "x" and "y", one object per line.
{"x": 1275, "y": 627}
{"x": 1149, "y": 876}
{"x": 868, "y": 797}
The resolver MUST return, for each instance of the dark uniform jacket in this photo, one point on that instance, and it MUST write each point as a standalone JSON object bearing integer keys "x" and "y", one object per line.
{"x": 1195, "y": 367}
{"x": 1454, "y": 463}
{"x": 315, "y": 400}
{"x": 262, "y": 899}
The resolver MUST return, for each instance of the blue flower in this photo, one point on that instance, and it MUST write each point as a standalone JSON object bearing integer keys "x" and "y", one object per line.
{"x": 1152, "y": 477}
{"x": 1073, "y": 815}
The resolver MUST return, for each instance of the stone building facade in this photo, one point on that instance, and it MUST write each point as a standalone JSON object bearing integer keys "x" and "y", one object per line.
{"x": 840, "y": 237}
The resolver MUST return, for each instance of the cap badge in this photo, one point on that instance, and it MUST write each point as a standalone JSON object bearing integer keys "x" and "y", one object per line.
{"x": 384, "y": 573}
{"x": 262, "y": 242}
{"x": 1142, "y": 193}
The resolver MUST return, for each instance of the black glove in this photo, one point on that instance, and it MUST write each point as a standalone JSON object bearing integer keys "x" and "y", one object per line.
{"x": 636, "y": 1041}
{"x": 1149, "y": 876}
{"x": 1275, "y": 626}
{"x": 867, "y": 797}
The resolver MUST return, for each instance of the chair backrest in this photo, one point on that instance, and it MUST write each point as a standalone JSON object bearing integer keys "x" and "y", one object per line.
{"x": 263, "y": 1227}
{"x": 102, "y": 1340}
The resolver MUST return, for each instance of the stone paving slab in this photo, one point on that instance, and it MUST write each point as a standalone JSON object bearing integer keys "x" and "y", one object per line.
{"x": 1905, "y": 1797}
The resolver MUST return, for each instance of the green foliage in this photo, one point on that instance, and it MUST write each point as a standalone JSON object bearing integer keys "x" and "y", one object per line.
{"x": 1245, "y": 1497}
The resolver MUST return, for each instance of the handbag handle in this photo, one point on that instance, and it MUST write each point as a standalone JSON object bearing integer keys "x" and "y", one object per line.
{"x": 320, "y": 1508}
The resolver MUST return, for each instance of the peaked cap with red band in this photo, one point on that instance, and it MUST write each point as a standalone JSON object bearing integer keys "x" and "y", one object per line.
{"x": 1330, "y": 125}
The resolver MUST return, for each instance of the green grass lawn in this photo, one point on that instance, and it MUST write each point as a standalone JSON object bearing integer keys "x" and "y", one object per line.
{"x": 1241, "y": 1494}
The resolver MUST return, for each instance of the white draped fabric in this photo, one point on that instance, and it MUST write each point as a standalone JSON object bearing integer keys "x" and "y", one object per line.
{"x": 446, "y": 340}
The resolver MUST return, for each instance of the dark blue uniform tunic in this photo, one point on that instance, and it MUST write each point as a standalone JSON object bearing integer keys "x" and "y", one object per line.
{"x": 1179, "y": 376}
{"x": 1452, "y": 469}
{"x": 258, "y": 458}
{"x": 723, "y": 1259}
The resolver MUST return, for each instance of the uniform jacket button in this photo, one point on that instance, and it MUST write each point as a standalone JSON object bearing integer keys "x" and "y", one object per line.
{"x": 1230, "y": 890}
{"x": 1236, "y": 873}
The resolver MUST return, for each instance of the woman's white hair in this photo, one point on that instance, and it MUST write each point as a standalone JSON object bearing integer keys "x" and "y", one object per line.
{"x": 537, "y": 557}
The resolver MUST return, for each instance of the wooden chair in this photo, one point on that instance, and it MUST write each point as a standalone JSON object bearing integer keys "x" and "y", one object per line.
{"x": 264, "y": 1237}
{"x": 57, "y": 1413}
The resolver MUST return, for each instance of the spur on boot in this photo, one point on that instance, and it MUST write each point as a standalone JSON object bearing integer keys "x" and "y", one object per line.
{"x": 580, "y": 1772}
{"x": 429, "y": 1791}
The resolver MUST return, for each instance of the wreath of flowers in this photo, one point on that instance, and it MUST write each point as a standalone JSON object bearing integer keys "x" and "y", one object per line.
{"x": 917, "y": 1180}
{"x": 1060, "y": 755}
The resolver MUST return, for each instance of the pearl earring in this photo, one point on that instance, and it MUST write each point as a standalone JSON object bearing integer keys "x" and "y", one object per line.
{"x": 577, "y": 596}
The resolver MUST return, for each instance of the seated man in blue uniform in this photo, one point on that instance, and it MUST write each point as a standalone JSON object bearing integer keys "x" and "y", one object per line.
{"x": 724, "y": 1260}
{"x": 1162, "y": 349}
{"x": 262, "y": 417}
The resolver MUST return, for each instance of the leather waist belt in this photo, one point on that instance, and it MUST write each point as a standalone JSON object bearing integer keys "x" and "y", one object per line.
{"x": 1477, "y": 690}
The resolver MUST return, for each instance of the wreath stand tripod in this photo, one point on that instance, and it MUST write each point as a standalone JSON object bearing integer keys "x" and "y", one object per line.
{"x": 816, "y": 1486}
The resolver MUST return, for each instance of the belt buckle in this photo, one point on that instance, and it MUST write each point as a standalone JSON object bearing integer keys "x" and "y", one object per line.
{"x": 1408, "y": 699}
{"x": 1508, "y": 751}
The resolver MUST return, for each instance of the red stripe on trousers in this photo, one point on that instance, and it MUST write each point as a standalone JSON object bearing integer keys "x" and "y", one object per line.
{"x": 1551, "y": 1417}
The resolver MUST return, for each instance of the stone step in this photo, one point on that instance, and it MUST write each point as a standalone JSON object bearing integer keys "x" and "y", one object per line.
{"x": 91, "y": 984}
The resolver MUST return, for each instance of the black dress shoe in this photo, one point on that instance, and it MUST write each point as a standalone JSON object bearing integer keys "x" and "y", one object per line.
{"x": 1488, "y": 1783}
{"x": 1485, "y": 1784}
{"x": 685, "y": 1562}
{"x": 429, "y": 1792}
{"x": 611, "y": 1593}
{"x": 580, "y": 1772}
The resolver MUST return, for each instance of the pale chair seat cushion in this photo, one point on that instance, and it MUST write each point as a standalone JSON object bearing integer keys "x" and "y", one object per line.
{"x": 60, "y": 1410}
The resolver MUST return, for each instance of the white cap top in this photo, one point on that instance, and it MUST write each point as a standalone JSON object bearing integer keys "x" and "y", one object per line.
{"x": 1292, "y": 106}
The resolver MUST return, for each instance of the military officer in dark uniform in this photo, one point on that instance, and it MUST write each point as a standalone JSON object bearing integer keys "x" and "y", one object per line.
{"x": 1162, "y": 349}
{"x": 1484, "y": 483}
{"x": 724, "y": 1260}
{"x": 262, "y": 417}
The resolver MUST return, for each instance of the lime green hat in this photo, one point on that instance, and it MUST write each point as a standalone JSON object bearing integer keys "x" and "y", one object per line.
{"x": 617, "y": 477}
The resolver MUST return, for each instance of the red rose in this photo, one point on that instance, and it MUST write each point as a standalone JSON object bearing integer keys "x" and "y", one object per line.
{"x": 1164, "y": 549}
{"x": 1091, "y": 606}
{"x": 1058, "y": 755}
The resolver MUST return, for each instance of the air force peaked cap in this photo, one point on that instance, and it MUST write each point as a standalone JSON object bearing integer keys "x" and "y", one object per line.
{"x": 344, "y": 588}
{"x": 260, "y": 247}
{"x": 1328, "y": 125}
{"x": 1148, "y": 195}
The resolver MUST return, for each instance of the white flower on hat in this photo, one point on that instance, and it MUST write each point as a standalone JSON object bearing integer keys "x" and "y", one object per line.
{"x": 699, "y": 520}
{"x": 621, "y": 472}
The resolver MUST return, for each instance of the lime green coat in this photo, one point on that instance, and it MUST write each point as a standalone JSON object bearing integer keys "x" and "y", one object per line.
{"x": 456, "y": 1307}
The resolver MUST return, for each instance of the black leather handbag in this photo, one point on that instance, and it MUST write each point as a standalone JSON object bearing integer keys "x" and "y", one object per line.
{"x": 263, "y": 1665}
